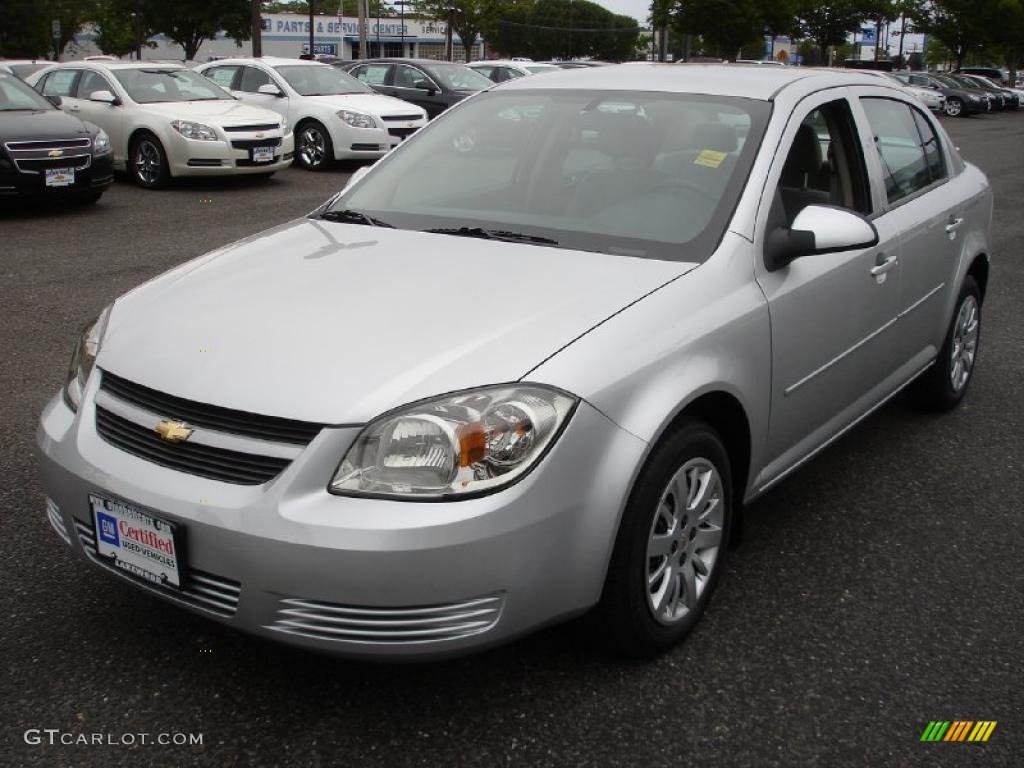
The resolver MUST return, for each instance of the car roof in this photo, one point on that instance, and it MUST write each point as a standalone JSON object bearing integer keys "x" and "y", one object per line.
{"x": 417, "y": 62}
{"x": 108, "y": 64}
{"x": 750, "y": 81}
{"x": 270, "y": 61}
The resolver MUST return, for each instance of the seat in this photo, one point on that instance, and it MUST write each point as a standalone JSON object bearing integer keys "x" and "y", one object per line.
{"x": 801, "y": 179}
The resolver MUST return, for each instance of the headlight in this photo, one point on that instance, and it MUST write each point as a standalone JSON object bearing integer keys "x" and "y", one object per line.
{"x": 191, "y": 130}
{"x": 101, "y": 144}
{"x": 974, "y": 98}
{"x": 454, "y": 446}
{"x": 357, "y": 119}
{"x": 83, "y": 359}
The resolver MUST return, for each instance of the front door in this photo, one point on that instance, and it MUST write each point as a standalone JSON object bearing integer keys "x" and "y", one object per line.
{"x": 831, "y": 314}
{"x": 109, "y": 117}
{"x": 405, "y": 82}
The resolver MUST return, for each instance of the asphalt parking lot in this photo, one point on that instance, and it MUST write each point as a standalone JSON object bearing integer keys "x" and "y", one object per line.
{"x": 879, "y": 588}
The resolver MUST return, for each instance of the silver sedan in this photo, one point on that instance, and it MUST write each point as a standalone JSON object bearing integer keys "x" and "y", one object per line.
{"x": 531, "y": 365}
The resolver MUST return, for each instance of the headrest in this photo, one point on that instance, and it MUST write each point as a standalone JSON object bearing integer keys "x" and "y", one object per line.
{"x": 624, "y": 135}
{"x": 715, "y": 136}
{"x": 804, "y": 161}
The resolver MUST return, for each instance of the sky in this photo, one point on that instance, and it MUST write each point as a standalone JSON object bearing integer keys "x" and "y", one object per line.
{"x": 638, "y": 9}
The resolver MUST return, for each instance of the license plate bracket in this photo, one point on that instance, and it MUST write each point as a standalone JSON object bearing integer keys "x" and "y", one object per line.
{"x": 60, "y": 177}
{"x": 137, "y": 542}
{"x": 263, "y": 154}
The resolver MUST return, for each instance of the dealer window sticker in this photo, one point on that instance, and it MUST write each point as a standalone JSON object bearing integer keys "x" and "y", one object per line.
{"x": 709, "y": 158}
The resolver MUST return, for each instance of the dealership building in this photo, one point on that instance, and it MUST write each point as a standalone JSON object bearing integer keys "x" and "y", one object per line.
{"x": 287, "y": 35}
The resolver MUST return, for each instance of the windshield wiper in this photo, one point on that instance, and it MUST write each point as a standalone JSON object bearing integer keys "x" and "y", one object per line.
{"x": 349, "y": 216}
{"x": 493, "y": 234}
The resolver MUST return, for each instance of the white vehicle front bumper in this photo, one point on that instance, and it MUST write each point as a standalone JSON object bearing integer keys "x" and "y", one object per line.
{"x": 189, "y": 157}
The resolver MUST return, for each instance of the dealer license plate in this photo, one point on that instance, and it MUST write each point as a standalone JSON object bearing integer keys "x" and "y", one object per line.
{"x": 60, "y": 177}
{"x": 262, "y": 154}
{"x": 136, "y": 542}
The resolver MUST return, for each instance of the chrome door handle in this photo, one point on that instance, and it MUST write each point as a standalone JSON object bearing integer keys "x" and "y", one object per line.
{"x": 953, "y": 224}
{"x": 883, "y": 264}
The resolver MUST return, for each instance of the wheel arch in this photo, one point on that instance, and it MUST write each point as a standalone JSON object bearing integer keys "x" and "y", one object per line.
{"x": 978, "y": 269}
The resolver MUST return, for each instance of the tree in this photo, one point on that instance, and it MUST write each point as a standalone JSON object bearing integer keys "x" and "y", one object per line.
{"x": 189, "y": 22}
{"x": 470, "y": 19}
{"x": 828, "y": 25}
{"x": 118, "y": 30}
{"x": 560, "y": 29}
{"x": 725, "y": 26}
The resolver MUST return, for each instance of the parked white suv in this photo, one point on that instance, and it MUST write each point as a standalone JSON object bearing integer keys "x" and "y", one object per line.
{"x": 165, "y": 120}
{"x": 336, "y": 117}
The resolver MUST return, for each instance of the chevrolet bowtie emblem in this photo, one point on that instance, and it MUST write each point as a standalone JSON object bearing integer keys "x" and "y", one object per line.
{"x": 55, "y": 152}
{"x": 172, "y": 431}
{"x": 259, "y": 135}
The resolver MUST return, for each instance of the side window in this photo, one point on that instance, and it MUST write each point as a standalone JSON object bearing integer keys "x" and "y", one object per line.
{"x": 932, "y": 146}
{"x": 407, "y": 77}
{"x": 225, "y": 77}
{"x": 486, "y": 72}
{"x": 91, "y": 82}
{"x": 825, "y": 164}
{"x": 906, "y": 164}
{"x": 372, "y": 74}
{"x": 252, "y": 79}
{"x": 61, "y": 83}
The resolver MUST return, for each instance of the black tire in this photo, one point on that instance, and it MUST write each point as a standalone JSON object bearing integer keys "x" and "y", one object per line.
{"x": 955, "y": 107}
{"x": 626, "y": 614}
{"x": 147, "y": 162}
{"x": 314, "y": 149}
{"x": 935, "y": 388}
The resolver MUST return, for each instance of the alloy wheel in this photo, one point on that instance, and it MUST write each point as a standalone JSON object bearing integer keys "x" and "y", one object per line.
{"x": 953, "y": 108}
{"x": 312, "y": 147}
{"x": 148, "y": 162}
{"x": 684, "y": 540}
{"x": 965, "y": 343}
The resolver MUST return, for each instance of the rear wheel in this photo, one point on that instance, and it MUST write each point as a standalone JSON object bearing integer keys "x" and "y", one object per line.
{"x": 314, "y": 150}
{"x": 944, "y": 385}
{"x": 671, "y": 544}
{"x": 954, "y": 107}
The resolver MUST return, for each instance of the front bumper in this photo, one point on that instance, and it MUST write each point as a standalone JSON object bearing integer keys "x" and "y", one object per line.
{"x": 93, "y": 174}
{"x": 188, "y": 157}
{"x": 363, "y": 577}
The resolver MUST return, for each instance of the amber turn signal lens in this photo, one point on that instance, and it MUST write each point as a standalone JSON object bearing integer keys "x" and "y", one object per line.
{"x": 472, "y": 443}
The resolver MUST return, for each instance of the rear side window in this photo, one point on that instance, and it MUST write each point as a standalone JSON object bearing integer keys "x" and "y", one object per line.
{"x": 225, "y": 77}
{"x": 61, "y": 83}
{"x": 372, "y": 74}
{"x": 252, "y": 79}
{"x": 907, "y": 147}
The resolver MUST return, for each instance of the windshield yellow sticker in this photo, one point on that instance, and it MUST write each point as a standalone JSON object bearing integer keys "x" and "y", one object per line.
{"x": 710, "y": 159}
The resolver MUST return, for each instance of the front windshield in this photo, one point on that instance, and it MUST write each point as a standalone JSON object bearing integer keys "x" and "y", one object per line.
{"x": 150, "y": 86}
{"x": 15, "y": 96}
{"x": 320, "y": 80}
{"x": 456, "y": 77}
{"x": 652, "y": 175}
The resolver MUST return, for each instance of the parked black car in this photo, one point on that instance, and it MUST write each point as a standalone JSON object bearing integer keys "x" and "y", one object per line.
{"x": 960, "y": 101}
{"x": 433, "y": 85}
{"x": 45, "y": 152}
{"x": 1009, "y": 98}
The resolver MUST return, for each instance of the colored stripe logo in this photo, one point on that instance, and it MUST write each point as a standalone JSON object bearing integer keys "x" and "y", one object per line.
{"x": 958, "y": 730}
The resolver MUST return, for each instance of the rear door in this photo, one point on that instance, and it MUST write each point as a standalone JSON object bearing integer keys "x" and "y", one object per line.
{"x": 377, "y": 76}
{"x": 927, "y": 203}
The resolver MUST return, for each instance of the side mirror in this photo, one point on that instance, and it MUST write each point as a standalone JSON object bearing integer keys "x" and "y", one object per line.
{"x": 818, "y": 229}
{"x": 54, "y": 99}
{"x": 104, "y": 97}
{"x": 269, "y": 89}
{"x": 357, "y": 175}
{"x": 424, "y": 85}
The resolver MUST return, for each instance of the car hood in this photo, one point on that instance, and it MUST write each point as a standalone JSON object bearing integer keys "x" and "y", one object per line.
{"x": 40, "y": 125}
{"x": 220, "y": 111}
{"x": 337, "y": 323}
{"x": 374, "y": 103}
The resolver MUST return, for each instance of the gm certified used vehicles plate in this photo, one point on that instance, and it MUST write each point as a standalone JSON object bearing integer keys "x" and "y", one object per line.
{"x": 532, "y": 363}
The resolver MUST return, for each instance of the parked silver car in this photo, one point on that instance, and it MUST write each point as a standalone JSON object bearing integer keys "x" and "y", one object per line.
{"x": 534, "y": 362}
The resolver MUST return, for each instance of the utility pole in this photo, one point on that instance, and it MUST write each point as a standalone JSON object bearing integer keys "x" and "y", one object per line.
{"x": 311, "y": 29}
{"x": 361, "y": 5}
{"x": 256, "y": 22}
{"x": 449, "y": 40}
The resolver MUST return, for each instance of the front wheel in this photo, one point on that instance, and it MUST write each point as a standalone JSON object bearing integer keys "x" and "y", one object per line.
{"x": 314, "y": 150}
{"x": 954, "y": 107}
{"x": 148, "y": 165}
{"x": 671, "y": 544}
{"x": 944, "y": 385}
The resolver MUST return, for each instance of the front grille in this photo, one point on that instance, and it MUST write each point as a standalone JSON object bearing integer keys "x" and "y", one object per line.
{"x": 400, "y": 118}
{"x": 402, "y": 132}
{"x": 193, "y": 458}
{"x": 44, "y": 145}
{"x": 245, "y": 128}
{"x": 390, "y": 626}
{"x": 250, "y": 143}
{"x": 368, "y": 148}
{"x": 39, "y": 165}
{"x": 200, "y": 589}
{"x": 56, "y": 521}
{"x": 236, "y": 422}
